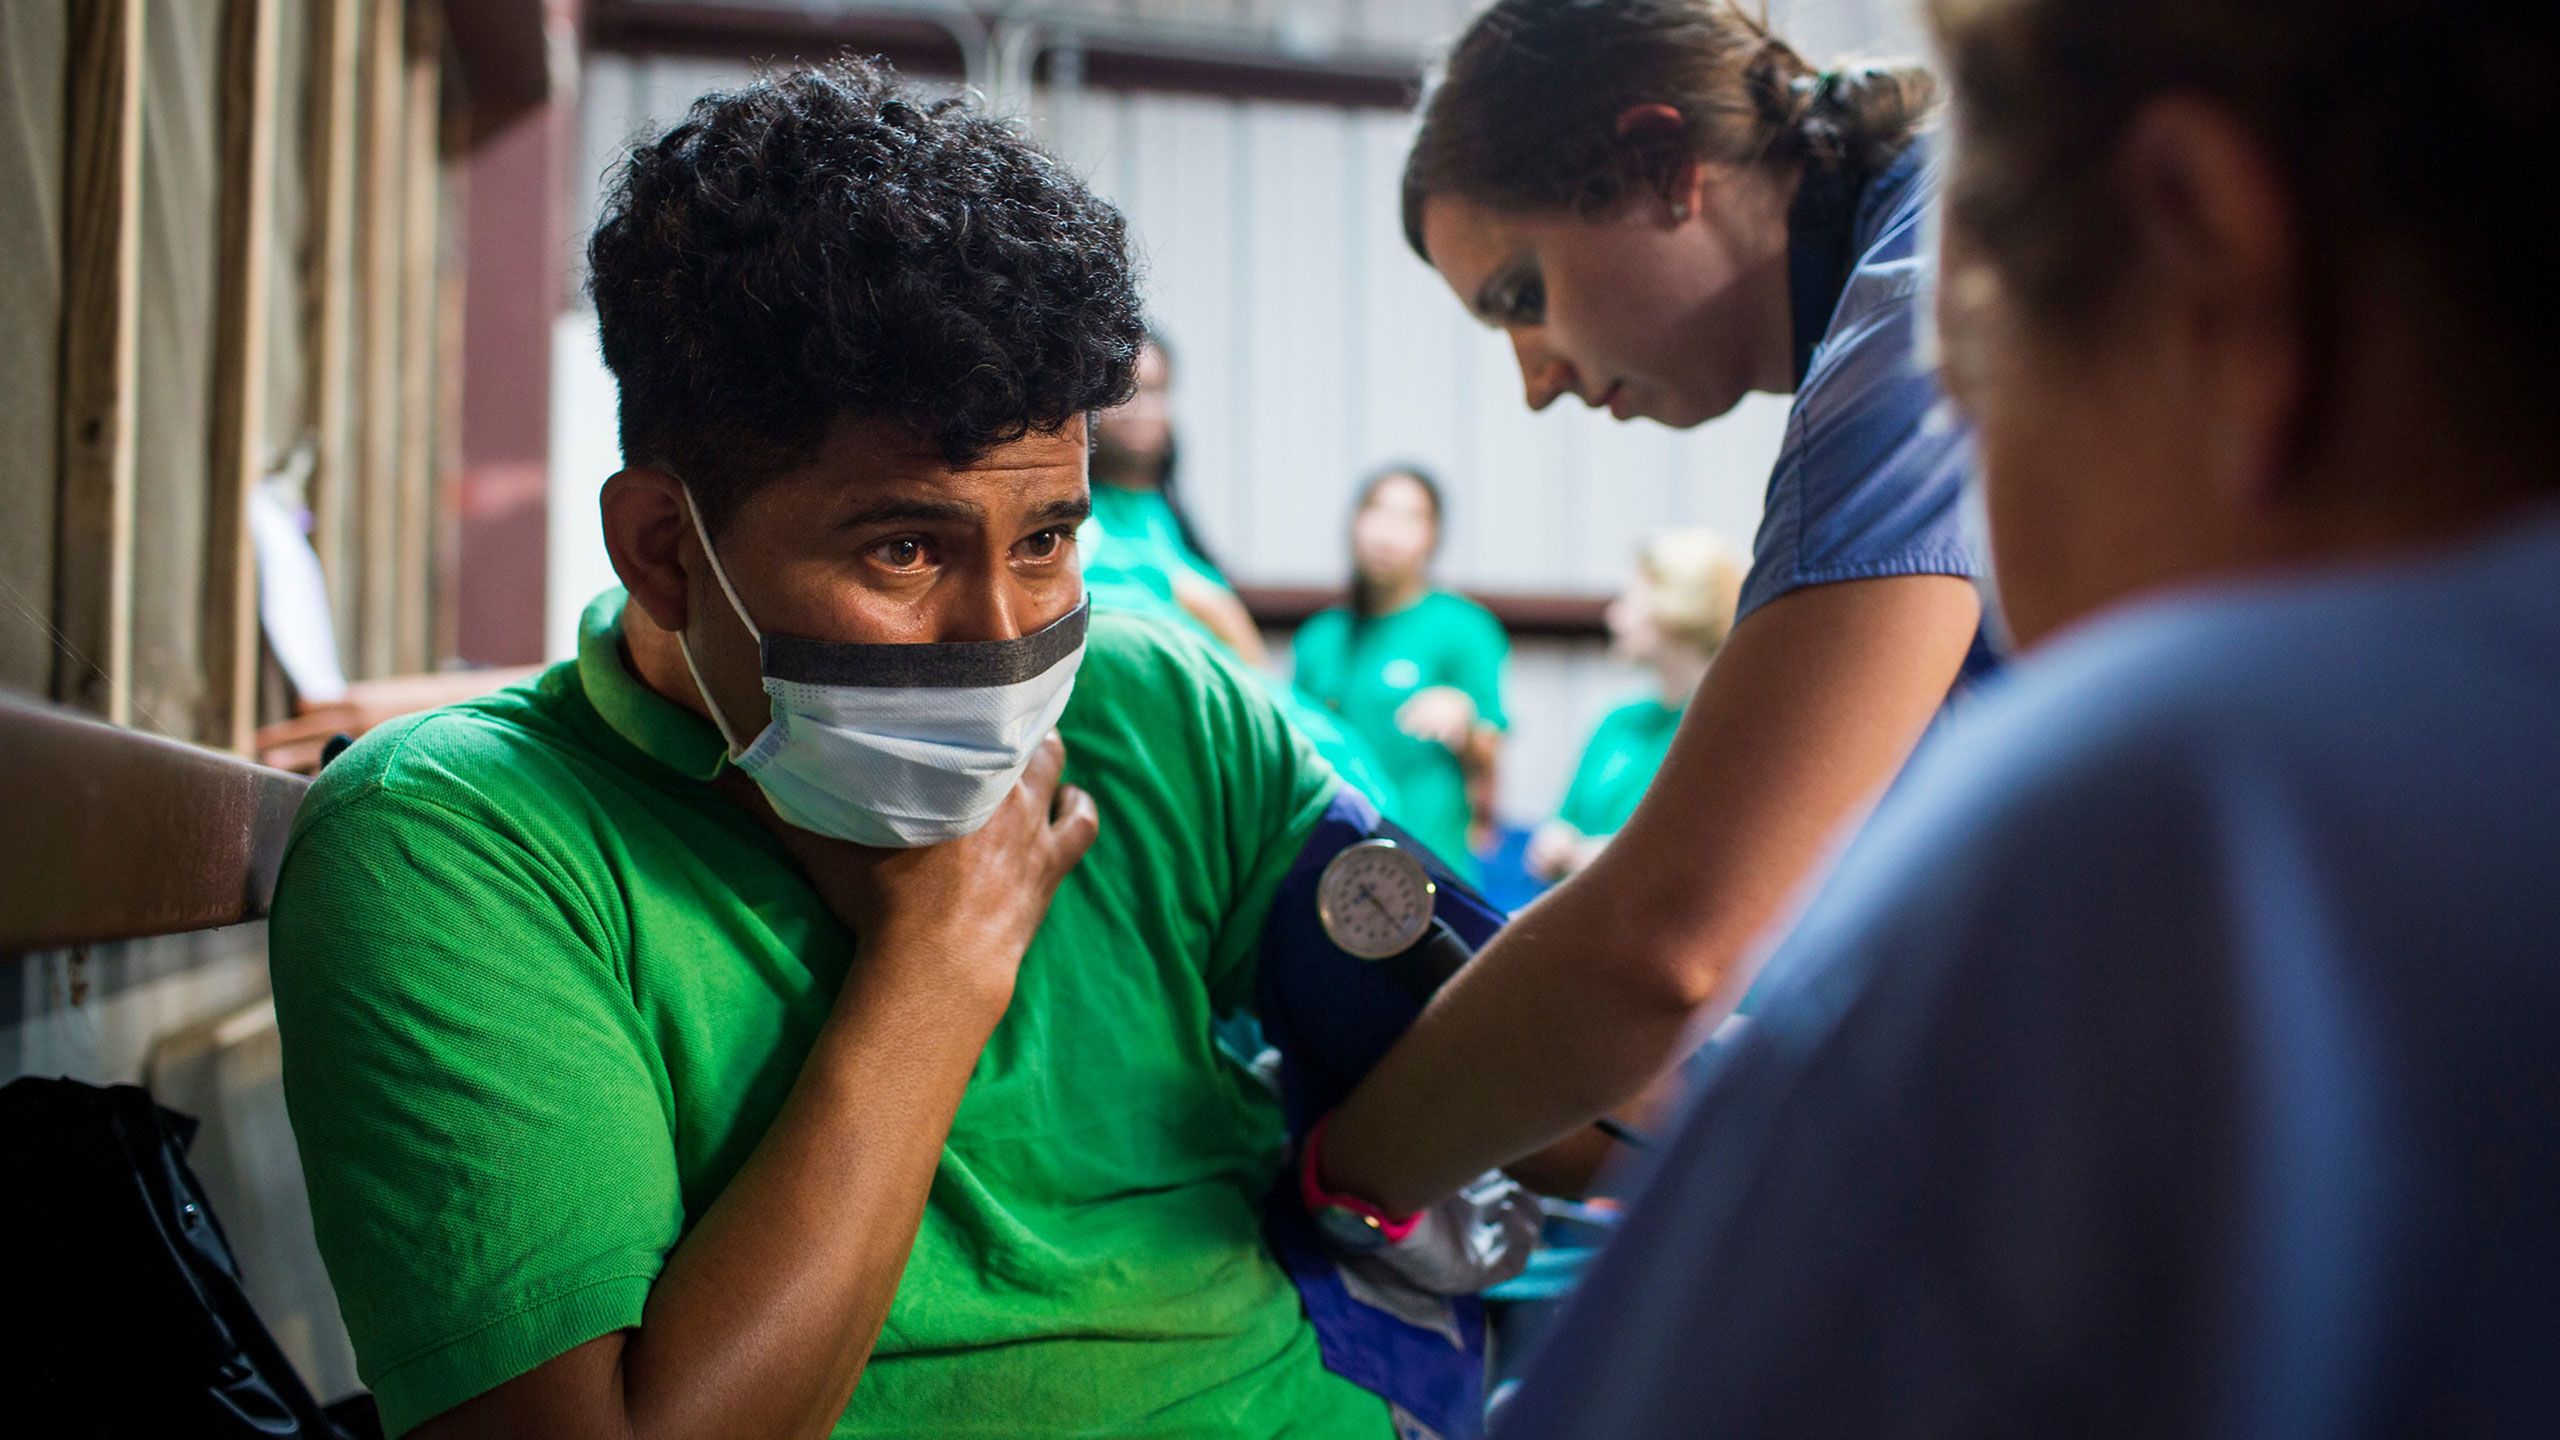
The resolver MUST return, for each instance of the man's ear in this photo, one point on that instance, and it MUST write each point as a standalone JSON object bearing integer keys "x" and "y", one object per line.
{"x": 2217, "y": 233}
{"x": 646, "y": 527}
{"x": 1660, "y": 133}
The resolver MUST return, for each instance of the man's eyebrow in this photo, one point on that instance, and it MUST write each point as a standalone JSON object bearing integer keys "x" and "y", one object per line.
{"x": 912, "y": 510}
{"x": 1064, "y": 512}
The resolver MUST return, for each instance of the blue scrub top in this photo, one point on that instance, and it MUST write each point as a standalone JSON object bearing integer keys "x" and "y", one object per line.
{"x": 2176, "y": 1053}
{"x": 1870, "y": 478}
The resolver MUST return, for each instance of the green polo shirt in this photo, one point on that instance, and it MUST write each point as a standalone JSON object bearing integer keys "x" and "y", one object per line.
{"x": 1364, "y": 670}
{"x": 1618, "y": 766}
{"x": 542, "y": 991}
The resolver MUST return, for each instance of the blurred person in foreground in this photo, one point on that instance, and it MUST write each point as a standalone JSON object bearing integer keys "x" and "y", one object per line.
{"x": 2177, "y": 1052}
{"x": 764, "y": 1024}
{"x": 1671, "y": 619}
{"x": 1412, "y": 669}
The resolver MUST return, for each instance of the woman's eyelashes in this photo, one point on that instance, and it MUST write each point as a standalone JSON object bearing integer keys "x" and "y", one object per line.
{"x": 1519, "y": 298}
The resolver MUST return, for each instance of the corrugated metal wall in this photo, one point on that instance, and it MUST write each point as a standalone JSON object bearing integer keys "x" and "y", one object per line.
{"x": 1311, "y": 346}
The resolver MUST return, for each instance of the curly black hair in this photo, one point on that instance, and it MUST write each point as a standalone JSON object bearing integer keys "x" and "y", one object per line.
{"x": 829, "y": 243}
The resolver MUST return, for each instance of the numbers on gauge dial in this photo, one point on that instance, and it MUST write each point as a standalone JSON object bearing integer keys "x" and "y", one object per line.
{"x": 1375, "y": 899}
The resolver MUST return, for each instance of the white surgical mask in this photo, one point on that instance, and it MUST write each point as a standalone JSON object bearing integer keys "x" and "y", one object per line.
{"x": 896, "y": 745}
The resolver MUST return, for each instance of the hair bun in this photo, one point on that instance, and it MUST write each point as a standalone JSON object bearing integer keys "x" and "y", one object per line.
{"x": 1862, "y": 115}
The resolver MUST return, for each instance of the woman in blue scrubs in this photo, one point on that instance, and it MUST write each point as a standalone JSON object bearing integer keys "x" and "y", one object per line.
{"x": 1663, "y": 207}
{"x": 2177, "y": 1053}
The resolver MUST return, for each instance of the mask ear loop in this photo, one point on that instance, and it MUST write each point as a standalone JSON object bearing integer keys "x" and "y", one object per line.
{"x": 728, "y": 737}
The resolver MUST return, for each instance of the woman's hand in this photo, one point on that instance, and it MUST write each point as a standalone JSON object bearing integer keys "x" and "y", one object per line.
{"x": 1558, "y": 851}
{"x": 1555, "y": 851}
{"x": 1442, "y": 714}
{"x": 958, "y": 915}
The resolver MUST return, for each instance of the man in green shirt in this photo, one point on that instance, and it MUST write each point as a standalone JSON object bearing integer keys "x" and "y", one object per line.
{"x": 631, "y": 1106}
{"x": 1136, "y": 514}
{"x": 1140, "y": 555}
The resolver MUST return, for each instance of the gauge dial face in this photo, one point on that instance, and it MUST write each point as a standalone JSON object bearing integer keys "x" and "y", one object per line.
{"x": 1375, "y": 899}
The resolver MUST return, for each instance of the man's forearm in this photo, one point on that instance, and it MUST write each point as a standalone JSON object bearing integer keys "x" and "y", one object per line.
{"x": 766, "y": 1312}
{"x": 1225, "y": 616}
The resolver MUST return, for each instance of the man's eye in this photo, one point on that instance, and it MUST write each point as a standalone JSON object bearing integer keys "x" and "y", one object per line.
{"x": 904, "y": 554}
{"x": 1045, "y": 545}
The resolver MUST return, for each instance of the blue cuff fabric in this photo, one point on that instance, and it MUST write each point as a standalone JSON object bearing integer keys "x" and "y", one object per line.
{"x": 1331, "y": 1015}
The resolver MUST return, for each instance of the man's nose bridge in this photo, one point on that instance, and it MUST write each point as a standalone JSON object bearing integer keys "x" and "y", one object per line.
{"x": 987, "y": 605}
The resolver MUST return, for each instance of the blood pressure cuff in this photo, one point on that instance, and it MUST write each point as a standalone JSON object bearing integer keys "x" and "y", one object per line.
{"x": 1332, "y": 1016}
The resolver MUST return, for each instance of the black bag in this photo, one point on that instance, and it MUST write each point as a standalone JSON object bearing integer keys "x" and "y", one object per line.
{"x": 122, "y": 1284}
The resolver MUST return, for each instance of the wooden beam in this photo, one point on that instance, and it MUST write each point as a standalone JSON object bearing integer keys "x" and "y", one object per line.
{"x": 421, "y": 214}
{"x": 501, "y": 51}
{"x": 114, "y": 834}
{"x": 1365, "y": 85}
{"x": 1525, "y": 615}
{"x": 1116, "y": 51}
{"x": 239, "y": 370}
{"x": 102, "y": 259}
{"x": 378, "y": 374}
{"x": 328, "y": 299}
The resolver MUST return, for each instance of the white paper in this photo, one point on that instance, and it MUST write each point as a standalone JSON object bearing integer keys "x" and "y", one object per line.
{"x": 293, "y": 600}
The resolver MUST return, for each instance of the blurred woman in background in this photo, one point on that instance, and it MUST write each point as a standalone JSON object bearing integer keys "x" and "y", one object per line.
{"x": 1664, "y": 207}
{"x": 2174, "y": 1053}
{"x": 1672, "y": 617}
{"x": 1414, "y": 670}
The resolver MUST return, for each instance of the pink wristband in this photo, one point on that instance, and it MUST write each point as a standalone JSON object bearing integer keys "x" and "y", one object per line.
{"x": 1315, "y": 1197}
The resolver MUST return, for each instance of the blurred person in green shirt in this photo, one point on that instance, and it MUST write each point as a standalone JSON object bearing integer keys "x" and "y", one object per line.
{"x": 1413, "y": 669}
{"x": 769, "y": 999}
{"x": 1671, "y": 619}
{"x": 1139, "y": 523}
{"x": 1142, "y": 554}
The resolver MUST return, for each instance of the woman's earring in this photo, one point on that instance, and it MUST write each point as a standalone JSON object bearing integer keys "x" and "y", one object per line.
{"x": 1679, "y": 212}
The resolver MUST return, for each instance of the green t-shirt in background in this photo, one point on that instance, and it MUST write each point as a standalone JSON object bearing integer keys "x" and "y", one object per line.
{"x": 1132, "y": 549}
{"x": 1134, "y": 529}
{"x": 1118, "y": 577}
{"x": 1618, "y": 765}
{"x": 1364, "y": 670}
{"x": 542, "y": 990}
